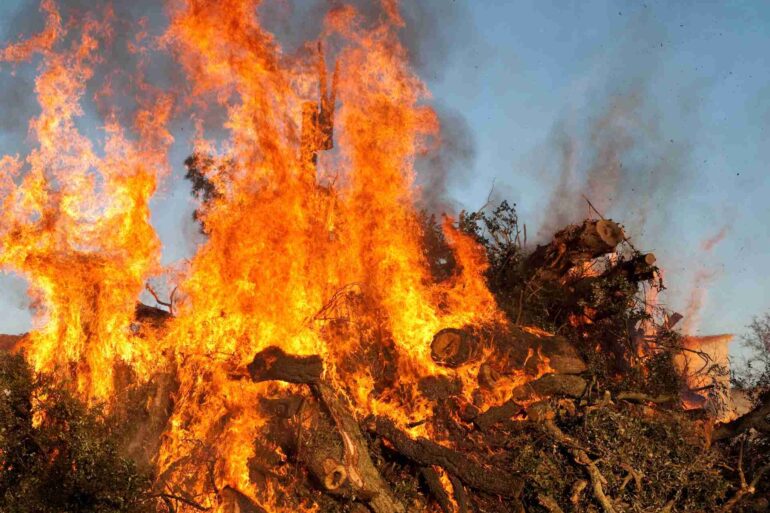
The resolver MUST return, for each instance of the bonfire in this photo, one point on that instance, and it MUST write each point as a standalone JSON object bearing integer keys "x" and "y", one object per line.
{"x": 329, "y": 348}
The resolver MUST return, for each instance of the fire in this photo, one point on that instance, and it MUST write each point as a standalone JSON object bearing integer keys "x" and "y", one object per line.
{"x": 323, "y": 261}
{"x": 77, "y": 225}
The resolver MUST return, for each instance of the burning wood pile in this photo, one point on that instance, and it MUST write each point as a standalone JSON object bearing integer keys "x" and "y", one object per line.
{"x": 327, "y": 348}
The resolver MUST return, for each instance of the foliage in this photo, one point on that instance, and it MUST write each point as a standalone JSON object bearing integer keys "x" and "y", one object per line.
{"x": 56, "y": 454}
{"x": 754, "y": 373}
{"x": 204, "y": 173}
{"x": 602, "y": 310}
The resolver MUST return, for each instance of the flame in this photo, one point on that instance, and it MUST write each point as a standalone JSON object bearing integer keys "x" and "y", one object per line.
{"x": 77, "y": 225}
{"x": 324, "y": 261}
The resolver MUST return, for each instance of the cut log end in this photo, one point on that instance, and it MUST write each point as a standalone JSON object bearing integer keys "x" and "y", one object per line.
{"x": 610, "y": 232}
{"x": 335, "y": 474}
{"x": 453, "y": 347}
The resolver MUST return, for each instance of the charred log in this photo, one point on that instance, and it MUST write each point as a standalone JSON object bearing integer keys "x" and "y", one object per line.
{"x": 483, "y": 477}
{"x": 352, "y": 466}
{"x": 274, "y": 364}
{"x": 433, "y": 483}
{"x": 496, "y": 414}
{"x": 453, "y": 347}
{"x": 511, "y": 350}
{"x": 364, "y": 477}
{"x": 551, "y": 385}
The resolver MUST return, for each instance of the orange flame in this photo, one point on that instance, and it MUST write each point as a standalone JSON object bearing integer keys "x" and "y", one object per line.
{"x": 282, "y": 249}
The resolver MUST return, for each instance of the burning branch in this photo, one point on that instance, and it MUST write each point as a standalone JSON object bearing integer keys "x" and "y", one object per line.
{"x": 168, "y": 304}
{"x": 355, "y": 468}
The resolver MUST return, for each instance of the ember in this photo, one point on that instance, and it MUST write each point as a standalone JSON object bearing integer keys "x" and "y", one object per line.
{"x": 310, "y": 358}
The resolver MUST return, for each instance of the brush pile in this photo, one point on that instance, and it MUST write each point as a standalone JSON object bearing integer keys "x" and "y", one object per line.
{"x": 576, "y": 403}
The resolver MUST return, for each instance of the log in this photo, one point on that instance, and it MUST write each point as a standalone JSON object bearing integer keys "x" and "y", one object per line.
{"x": 364, "y": 477}
{"x": 321, "y": 450}
{"x": 496, "y": 414}
{"x": 550, "y": 385}
{"x": 274, "y": 364}
{"x": 574, "y": 245}
{"x": 436, "y": 489}
{"x": 453, "y": 347}
{"x": 527, "y": 350}
{"x": 640, "y": 397}
{"x": 354, "y": 466}
{"x": 479, "y": 476}
{"x": 512, "y": 349}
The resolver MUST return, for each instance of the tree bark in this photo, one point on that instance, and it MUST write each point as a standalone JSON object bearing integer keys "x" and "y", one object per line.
{"x": 574, "y": 245}
{"x": 274, "y": 364}
{"x": 353, "y": 467}
{"x": 483, "y": 477}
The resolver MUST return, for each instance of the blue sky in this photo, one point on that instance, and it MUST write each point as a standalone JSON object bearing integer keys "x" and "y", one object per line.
{"x": 685, "y": 84}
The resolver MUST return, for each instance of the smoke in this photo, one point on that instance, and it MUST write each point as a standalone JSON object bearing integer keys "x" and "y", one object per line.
{"x": 429, "y": 32}
{"x": 710, "y": 243}
{"x": 703, "y": 278}
{"x": 621, "y": 160}
{"x": 622, "y": 143}
{"x": 447, "y": 162}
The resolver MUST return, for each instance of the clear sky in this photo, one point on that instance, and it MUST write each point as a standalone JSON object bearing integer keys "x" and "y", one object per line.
{"x": 676, "y": 92}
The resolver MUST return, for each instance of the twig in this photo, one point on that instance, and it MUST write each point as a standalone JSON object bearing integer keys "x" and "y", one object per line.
{"x": 167, "y": 497}
{"x": 577, "y": 491}
{"x": 581, "y": 458}
{"x": 168, "y": 304}
{"x": 745, "y": 490}
{"x": 632, "y": 474}
{"x": 461, "y": 496}
{"x": 640, "y": 397}
{"x": 549, "y": 503}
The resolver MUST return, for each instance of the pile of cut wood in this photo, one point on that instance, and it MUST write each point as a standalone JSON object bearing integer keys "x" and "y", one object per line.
{"x": 575, "y": 421}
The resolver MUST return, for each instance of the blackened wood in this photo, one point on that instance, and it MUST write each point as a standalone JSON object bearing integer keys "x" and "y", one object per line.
{"x": 510, "y": 349}
{"x": 236, "y": 501}
{"x": 461, "y": 496}
{"x": 522, "y": 349}
{"x": 274, "y": 364}
{"x": 152, "y": 315}
{"x": 550, "y": 385}
{"x": 483, "y": 477}
{"x": 364, "y": 477}
{"x": 453, "y": 347}
{"x": 436, "y": 489}
{"x": 496, "y": 414}
{"x": 320, "y": 448}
